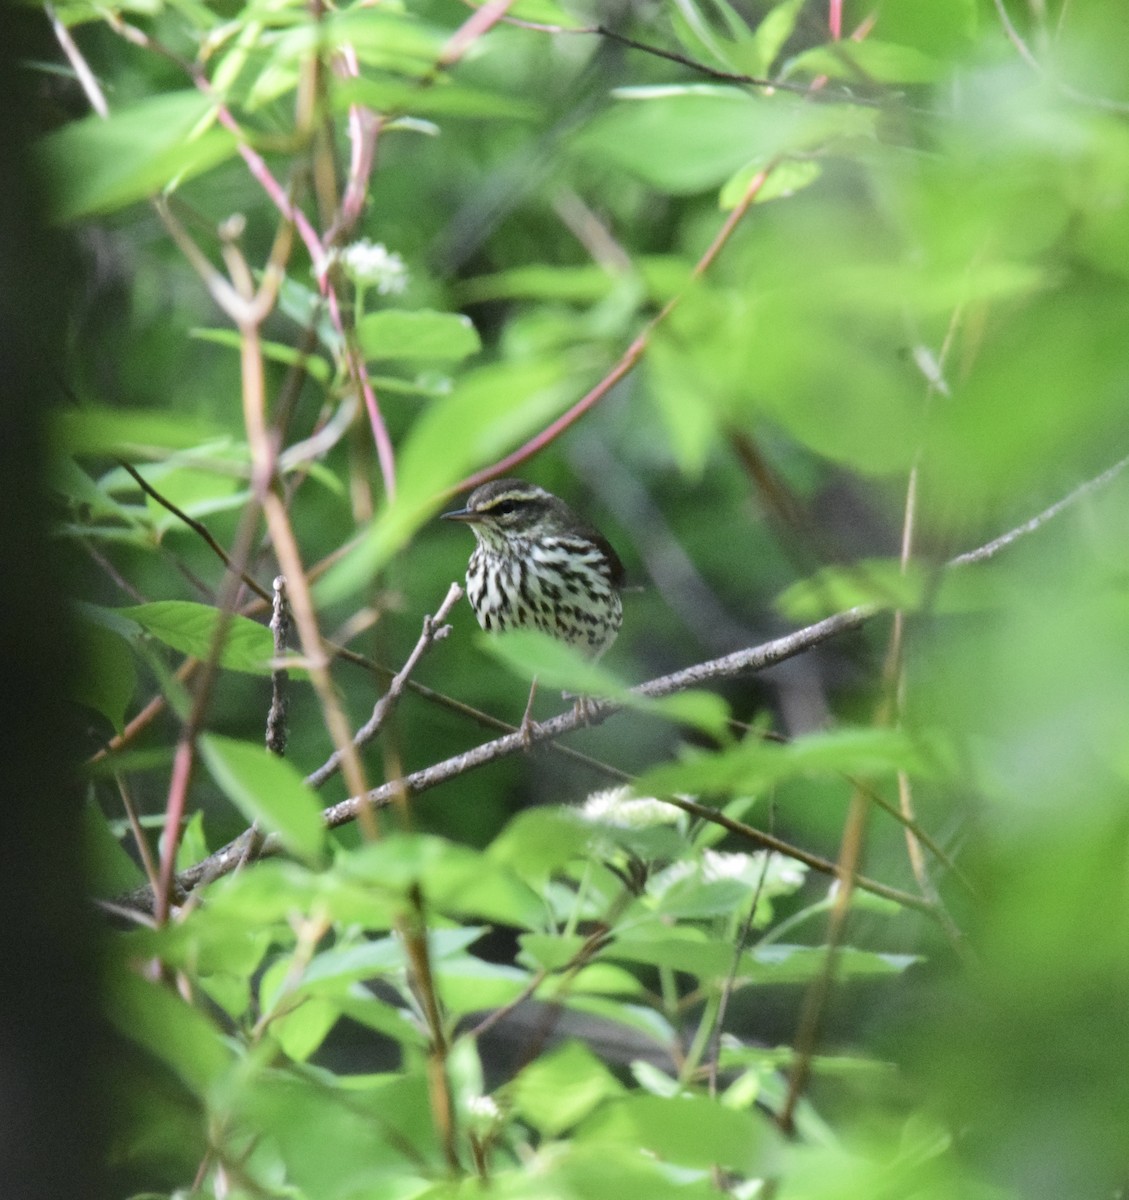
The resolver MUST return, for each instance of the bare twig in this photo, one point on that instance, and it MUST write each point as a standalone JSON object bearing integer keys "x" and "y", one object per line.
{"x": 87, "y": 80}
{"x": 279, "y": 677}
{"x": 197, "y": 527}
{"x": 992, "y": 548}
{"x": 139, "y": 838}
{"x": 477, "y": 24}
{"x": 773, "y": 844}
{"x": 433, "y": 630}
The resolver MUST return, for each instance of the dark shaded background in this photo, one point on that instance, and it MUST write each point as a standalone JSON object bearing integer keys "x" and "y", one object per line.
{"x": 49, "y": 1112}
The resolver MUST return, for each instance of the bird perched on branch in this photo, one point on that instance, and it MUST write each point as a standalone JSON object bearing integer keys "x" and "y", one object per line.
{"x": 537, "y": 565}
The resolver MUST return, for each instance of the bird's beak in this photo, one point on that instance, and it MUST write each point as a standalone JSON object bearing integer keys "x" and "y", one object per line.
{"x": 460, "y": 514}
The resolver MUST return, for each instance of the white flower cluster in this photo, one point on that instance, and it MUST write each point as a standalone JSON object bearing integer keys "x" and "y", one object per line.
{"x": 372, "y": 264}
{"x": 781, "y": 877}
{"x": 621, "y": 808}
{"x": 483, "y": 1112}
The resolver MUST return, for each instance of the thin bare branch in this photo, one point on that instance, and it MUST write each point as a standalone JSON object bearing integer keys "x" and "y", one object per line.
{"x": 277, "y": 714}
{"x": 197, "y": 527}
{"x": 88, "y": 81}
{"x": 433, "y": 631}
{"x": 992, "y": 548}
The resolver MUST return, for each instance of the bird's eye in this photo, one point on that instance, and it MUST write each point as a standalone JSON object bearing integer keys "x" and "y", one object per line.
{"x": 504, "y": 508}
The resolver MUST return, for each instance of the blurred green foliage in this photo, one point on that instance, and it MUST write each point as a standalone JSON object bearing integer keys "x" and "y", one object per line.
{"x": 922, "y": 292}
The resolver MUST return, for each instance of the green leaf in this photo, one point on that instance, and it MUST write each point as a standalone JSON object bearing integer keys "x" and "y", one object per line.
{"x": 696, "y": 899}
{"x": 680, "y": 948}
{"x": 775, "y": 29}
{"x": 342, "y": 1139}
{"x": 336, "y": 968}
{"x": 302, "y": 1030}
{"x": 97, "y": 166}
{"x": 545, "y": 12}
{"x": 278, "y": 352}
{"x": 455, "y": 879}
{"x": 869, "y": 61}
{"x": 206, "y": 942}
{"x": 110, "y": 870}
{"x": 155, "y": 1017}
{"x": 78, "y": 12}
{"x": 551, "y": 951}
{"x": 271, "y": 892}
{"x": 491, "y": 409}
{"x": 561, "y": 1088}
{"x": 470, "y": 985}
{"x": 595, "y": 1171}
{"x": 579, "y": 285}
{"x": 267, "y": 789}
{"x": 604, "y": 979}
{"x": 396, "y": 334}
{"x": 381, "y": 39}
{"x": 682, "y": 139}
{"x": 744, "y": 51}
{"x": 391, "y": 41}
{"x": 687, "y": 139}
{"x": 539, "y": 841}
{"x": 943, "y": 29}
{"x": 753, "y": 764}
{"x": 657, "y": 1032}
{"x": 781, "y": 964}
{"x": 130, "y": 432}
{"x": 698, "y": 33}
{"x": 193, "y": 844}
{"x": 191, "y": 629}
{"x": 198, "y": 490}
{"x": 443, "y": 99}
{"x": 384, "y": 1018}
{"x": 689, "y": 1131}
{"x": 91, "y": 498}
{"x": 543, "y": 840}
{"x": 706, "y": 711}
{"x": 785, "y": 179}
{"x": 535, "y": 655}
{"x": 687, "y": 409}
{"x": 108, "y": 677}
{"x": 879, "y": 582}
{"x": 489, "y": 891}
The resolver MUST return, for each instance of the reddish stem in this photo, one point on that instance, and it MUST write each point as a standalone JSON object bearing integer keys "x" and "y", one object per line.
{"x": 630, "y": 357}
{"x": 183, "y": 762}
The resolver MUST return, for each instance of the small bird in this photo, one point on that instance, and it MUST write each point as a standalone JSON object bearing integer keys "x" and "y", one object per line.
{"x": 537, "y": 565}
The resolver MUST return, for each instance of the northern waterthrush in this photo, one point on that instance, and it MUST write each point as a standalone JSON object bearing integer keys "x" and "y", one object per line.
{"x": 537, "y": 565}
